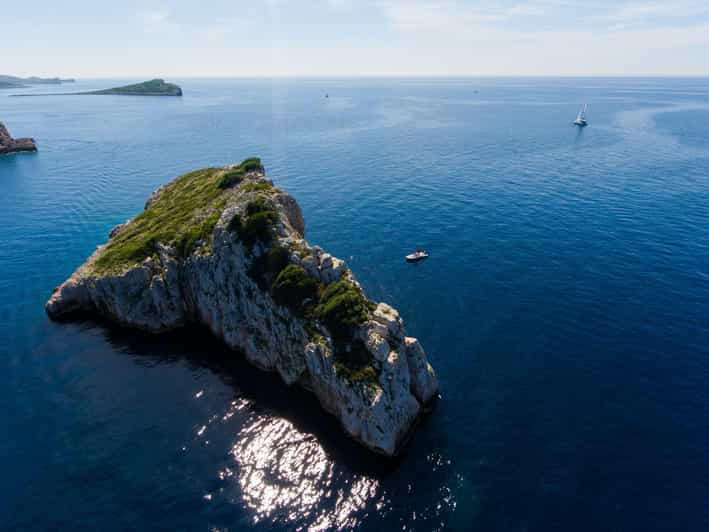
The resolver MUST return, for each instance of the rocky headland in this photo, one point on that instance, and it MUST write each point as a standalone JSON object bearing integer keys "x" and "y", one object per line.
{"x": 225, "y": 248}
{"x": 10, "y": 145}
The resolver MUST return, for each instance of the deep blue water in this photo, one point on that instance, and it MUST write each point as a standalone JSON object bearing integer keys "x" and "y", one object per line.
{"x": 565, "y": 308}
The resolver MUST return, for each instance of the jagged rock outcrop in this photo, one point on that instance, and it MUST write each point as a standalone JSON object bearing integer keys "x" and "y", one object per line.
{"x": 10, "y": 145}
{"x": 227, "y": 250}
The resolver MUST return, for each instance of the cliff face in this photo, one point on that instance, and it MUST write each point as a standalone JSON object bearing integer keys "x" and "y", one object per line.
{"x": 10, "y": 145}
{"x": 225, "y": 248}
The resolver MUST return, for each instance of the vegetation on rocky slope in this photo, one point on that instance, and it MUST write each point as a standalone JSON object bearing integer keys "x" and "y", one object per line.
{"x": 364, "y": 373}
{"x": 294, "y": 288}
{"x": 183, "y": 216}
{"x": 257, "y": 223}
{"x": 234, "y": 176}
{"x": 266, "y": 268}
{"x": 341, "y": 307}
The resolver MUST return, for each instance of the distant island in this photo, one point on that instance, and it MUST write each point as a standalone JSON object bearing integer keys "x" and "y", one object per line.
{"x": 10, "y": 145}
{"x": 14, "y": 82}
{"x": 153, "y": 87}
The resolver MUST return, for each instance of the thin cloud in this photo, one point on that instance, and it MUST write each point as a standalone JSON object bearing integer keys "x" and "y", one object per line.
{"x": 158, "y": 22}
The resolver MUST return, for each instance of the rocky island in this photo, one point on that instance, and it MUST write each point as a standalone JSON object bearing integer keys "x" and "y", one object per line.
{"x": 10, "y": 145}
{"x": 225, "y": 248}
{"x": 154, "y": 87}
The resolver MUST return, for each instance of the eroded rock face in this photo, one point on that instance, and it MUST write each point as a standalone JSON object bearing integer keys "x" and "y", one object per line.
{"x": 378, "y": 403}
{"x": 10, "y": 145}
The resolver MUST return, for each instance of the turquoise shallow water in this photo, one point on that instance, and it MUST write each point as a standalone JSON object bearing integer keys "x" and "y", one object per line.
{"x": 564, "y": 308}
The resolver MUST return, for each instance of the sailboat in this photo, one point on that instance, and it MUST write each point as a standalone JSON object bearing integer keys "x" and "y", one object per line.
{"x": 581, "y": 117}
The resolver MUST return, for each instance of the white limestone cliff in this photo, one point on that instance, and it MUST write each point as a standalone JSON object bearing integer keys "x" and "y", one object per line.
{"x": 214, "y": 285}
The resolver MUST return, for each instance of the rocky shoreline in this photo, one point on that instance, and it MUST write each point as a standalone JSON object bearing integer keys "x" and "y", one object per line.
{"x": 9, "y": 145}
{"x": 225, "y": 248}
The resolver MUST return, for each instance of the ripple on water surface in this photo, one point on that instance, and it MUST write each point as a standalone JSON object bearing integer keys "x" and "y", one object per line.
{"x": 563, "y": 308}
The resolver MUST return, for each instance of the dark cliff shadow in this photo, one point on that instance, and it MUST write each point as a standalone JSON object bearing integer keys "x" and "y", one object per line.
{"x": 195, "y": 345}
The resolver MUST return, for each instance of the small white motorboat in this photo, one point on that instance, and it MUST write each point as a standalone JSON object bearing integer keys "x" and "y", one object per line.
{"x": 416, "y": 256}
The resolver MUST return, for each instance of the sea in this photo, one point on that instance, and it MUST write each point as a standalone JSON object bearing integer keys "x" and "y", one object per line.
{"x": 564, "y": 307}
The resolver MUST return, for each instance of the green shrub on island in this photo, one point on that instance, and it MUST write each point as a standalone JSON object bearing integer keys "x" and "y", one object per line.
{"x": 293, "y": 287}
{"x": 276, "y": 260}
{"x": 265, "y": 269}
{"x": 342, "y": 307}
{"x": 258, "y": 225}
{"x": 365, "y": 374}
{"x": 251, "y": 164}
{"x": 232, "y": 178}
{"x": 257, "y": 206}
{"x": 355, "y": 363}
{"x": 235, "y": 175}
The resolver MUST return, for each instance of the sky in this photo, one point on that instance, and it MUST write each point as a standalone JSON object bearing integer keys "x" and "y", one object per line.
{"x": 237, "y": 38}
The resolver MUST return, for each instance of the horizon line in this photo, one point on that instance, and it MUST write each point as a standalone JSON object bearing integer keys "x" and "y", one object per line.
{"x": 379, "y": 76}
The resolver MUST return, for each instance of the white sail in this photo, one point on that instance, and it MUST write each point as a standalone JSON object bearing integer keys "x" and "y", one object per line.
{"x": 581, "y": 117}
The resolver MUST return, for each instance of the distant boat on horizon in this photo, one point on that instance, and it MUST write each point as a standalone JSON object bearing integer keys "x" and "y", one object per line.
{"x": 581, "y": 117}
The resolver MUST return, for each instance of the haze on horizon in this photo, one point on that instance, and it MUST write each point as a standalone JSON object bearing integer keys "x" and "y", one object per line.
{"x": 180, "y": 38}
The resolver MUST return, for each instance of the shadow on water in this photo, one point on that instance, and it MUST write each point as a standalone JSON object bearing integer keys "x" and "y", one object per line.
{"x": 273, "y": 450}
{"x": 286, "y": 460}
{"x": 195, "y": 345}
{"x": 579, "y": 134}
